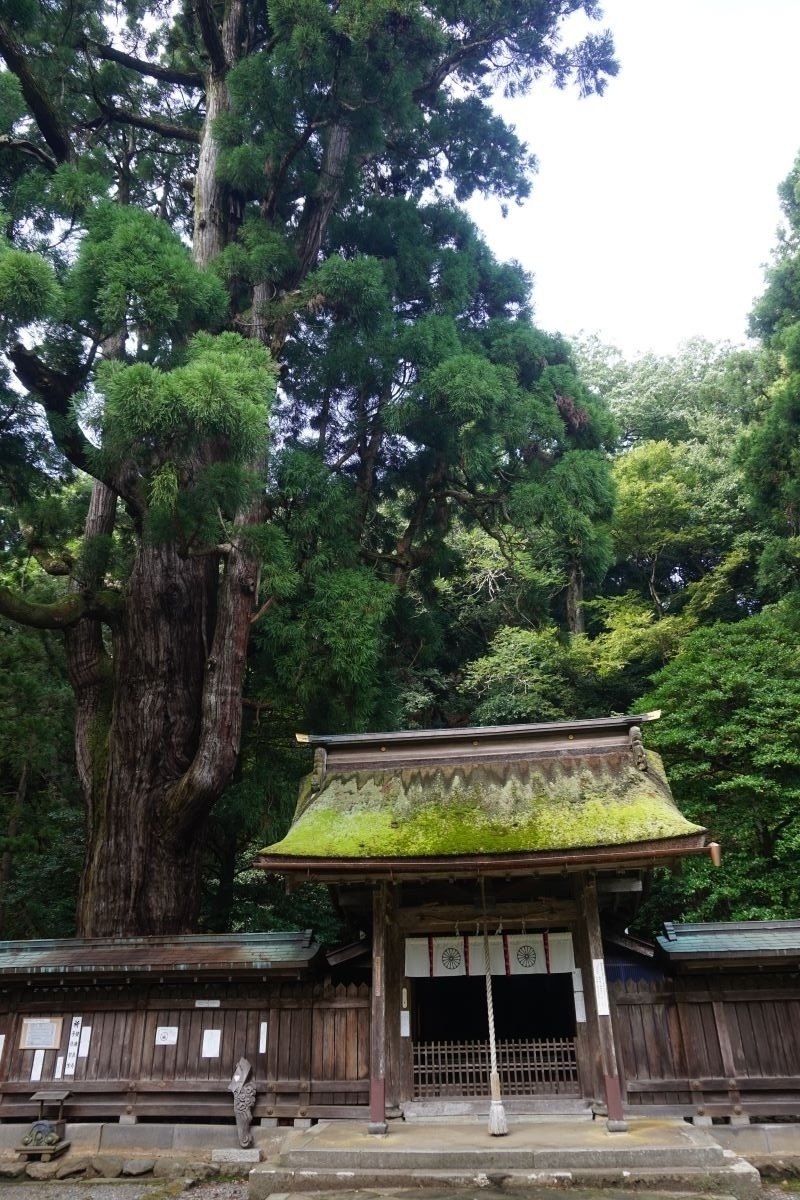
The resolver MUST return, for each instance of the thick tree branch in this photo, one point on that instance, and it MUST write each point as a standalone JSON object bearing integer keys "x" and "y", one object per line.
{"x": 55, "y": 390}
{"x": 191, "y": 79}
{"x": 87, "y": 658}
{"x": 60, "y": 614}
{"x": 319, "y": 207}
{"x": 221, "y": 710}
{"x": 448, "y": 64}
{"x": 25, "y": 147}
{"x": 271, "y": 202}
{"x": 209, "y": 31}
{"x": 52, "y": 564}
{"x": 45, "y": 114}
{"x": 152, "y": 124}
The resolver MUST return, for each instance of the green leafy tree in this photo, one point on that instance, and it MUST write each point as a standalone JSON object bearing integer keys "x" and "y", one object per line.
{"x": 679, "y": 509}
{"x": 274, "y": 139}
{"x": 730, "y": 737}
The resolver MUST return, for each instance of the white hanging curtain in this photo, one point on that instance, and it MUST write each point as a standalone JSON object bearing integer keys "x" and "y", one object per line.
{"x": 509, "y": 954}
{"x": 418, "y": 960}
{"x": 497, "y": 958}
{"x": 449, "y": 957}
{"x": 560, "y": 953}
{"x": 525, "y": 954}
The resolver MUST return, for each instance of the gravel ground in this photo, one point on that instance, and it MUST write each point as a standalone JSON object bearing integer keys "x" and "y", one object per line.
{"x": 229, "y": 1190}
{"x": 89, "y": 1189}
{"x": 162, "y": 1189}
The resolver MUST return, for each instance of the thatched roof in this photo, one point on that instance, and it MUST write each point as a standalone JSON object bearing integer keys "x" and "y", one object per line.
{"x": 513, "y": 791}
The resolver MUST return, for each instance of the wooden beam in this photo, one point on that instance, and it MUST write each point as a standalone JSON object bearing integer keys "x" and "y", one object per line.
{"x": 544, "y": 912}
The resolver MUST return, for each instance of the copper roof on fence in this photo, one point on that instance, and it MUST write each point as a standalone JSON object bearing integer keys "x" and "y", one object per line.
{"x": 178, "y": 957}
{"x": 696, "y": 945}
{"x": 558, "y": 795}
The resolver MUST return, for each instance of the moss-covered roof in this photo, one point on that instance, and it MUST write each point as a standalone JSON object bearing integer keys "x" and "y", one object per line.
{"x": 530, "y": 805}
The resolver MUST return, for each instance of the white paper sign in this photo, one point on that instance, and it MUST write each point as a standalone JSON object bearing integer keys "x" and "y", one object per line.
{"x": 40, "y": 1033}
{"x": 580, "y": 1002}
{"x": 72, "y": 1045}
{"x": 59, "y": 1071}
{"x": 207, "y": 1003}
{"x": 211, "y": 1039}
{"x": 167, "y": 1035}
{"x": 2, "y": 1043}
{"x": 405, "y": 1023}
{"x": 83, "y": 1044}
{"x": 601, "y": 987}
{"x": 36, "y": 1065}
{"x": 262, "y": 1037}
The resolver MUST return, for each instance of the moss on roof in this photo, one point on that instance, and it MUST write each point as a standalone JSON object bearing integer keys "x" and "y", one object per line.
{"x": 558, "y": 803}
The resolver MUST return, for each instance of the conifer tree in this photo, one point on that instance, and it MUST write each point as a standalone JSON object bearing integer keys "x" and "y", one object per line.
{"x": 281, "y": 141}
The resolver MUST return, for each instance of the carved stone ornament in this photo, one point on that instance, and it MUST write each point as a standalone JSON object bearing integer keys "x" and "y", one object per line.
{"x": 637, "y": 748}
{"x": 244, "y": 1098}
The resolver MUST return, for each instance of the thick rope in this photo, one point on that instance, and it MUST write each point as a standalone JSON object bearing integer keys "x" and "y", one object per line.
{"x": 498, "y": 1126}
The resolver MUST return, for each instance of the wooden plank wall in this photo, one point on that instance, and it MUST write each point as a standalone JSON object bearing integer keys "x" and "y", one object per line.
{"x": 314, "y": 1061}
{"x": 715, "y": 1046}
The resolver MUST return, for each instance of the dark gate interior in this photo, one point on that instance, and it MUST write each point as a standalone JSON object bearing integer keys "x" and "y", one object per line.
{"x": 535, "y": 1036}
{"x": 527, "y": 1006}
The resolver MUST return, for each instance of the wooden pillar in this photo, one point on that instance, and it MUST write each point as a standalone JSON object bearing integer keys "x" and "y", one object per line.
{"x": 377, "y": 1050}
{"x": 587, "y": 897}
{"x": 586, "y": 1035}
{"x": 394, "y": 968}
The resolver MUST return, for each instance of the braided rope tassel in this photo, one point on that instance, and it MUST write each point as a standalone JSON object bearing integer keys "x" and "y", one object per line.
{"x": 498, "y": 1126}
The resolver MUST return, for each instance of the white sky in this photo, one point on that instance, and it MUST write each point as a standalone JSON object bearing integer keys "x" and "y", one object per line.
{"x": 655, "y": 206}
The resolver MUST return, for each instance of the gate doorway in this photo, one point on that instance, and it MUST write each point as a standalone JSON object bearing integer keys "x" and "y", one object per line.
{"x": 535, "y": 1035}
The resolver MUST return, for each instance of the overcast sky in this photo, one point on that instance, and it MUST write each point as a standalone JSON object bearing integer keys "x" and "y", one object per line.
{"x": 655, "y": 206}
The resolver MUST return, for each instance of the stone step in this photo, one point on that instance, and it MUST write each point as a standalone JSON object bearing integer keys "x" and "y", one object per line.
{"x": 499, "y": 1156}
{"x": 544, "y": 1108}
{"x": 733, "y": 1181}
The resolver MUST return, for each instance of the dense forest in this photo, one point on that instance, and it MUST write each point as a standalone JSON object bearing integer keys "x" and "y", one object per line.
{"x": 284, "y": 449}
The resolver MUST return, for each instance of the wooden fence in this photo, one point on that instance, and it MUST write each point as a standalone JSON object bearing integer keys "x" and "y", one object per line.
{"x": 153, "y": 1052}
{"x": 527, "y": 1068}
{"x": 716, "y": 1046}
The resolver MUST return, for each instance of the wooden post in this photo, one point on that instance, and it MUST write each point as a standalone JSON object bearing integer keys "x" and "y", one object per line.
{"x": 586, "y": 1037}
{"x": 393, "y": 977}
{"x": 587, "y": 891}
{"x": 377, "y": 1051}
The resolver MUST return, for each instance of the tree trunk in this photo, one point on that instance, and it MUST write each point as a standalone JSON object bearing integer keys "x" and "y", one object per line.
{"x": 576, "y": 620}
{"x": 210, "y": 196}
{"x": 138, "y": 878}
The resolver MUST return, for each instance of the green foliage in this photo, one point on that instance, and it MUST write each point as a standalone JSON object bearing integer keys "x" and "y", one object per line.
{"x": 29, "y": 290}
{"x": 529, "y": 675}
{"x": 159, "y": 420}
{"x": 730, "y": 738}
{"x": 134, "y": 273}
{"x": 41, "y": 821}
{"x": 704, "y": 392}
{"x": 633, "y": 636}
{"x": 328, "y": 656}
{"x": 679, "y": 508}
